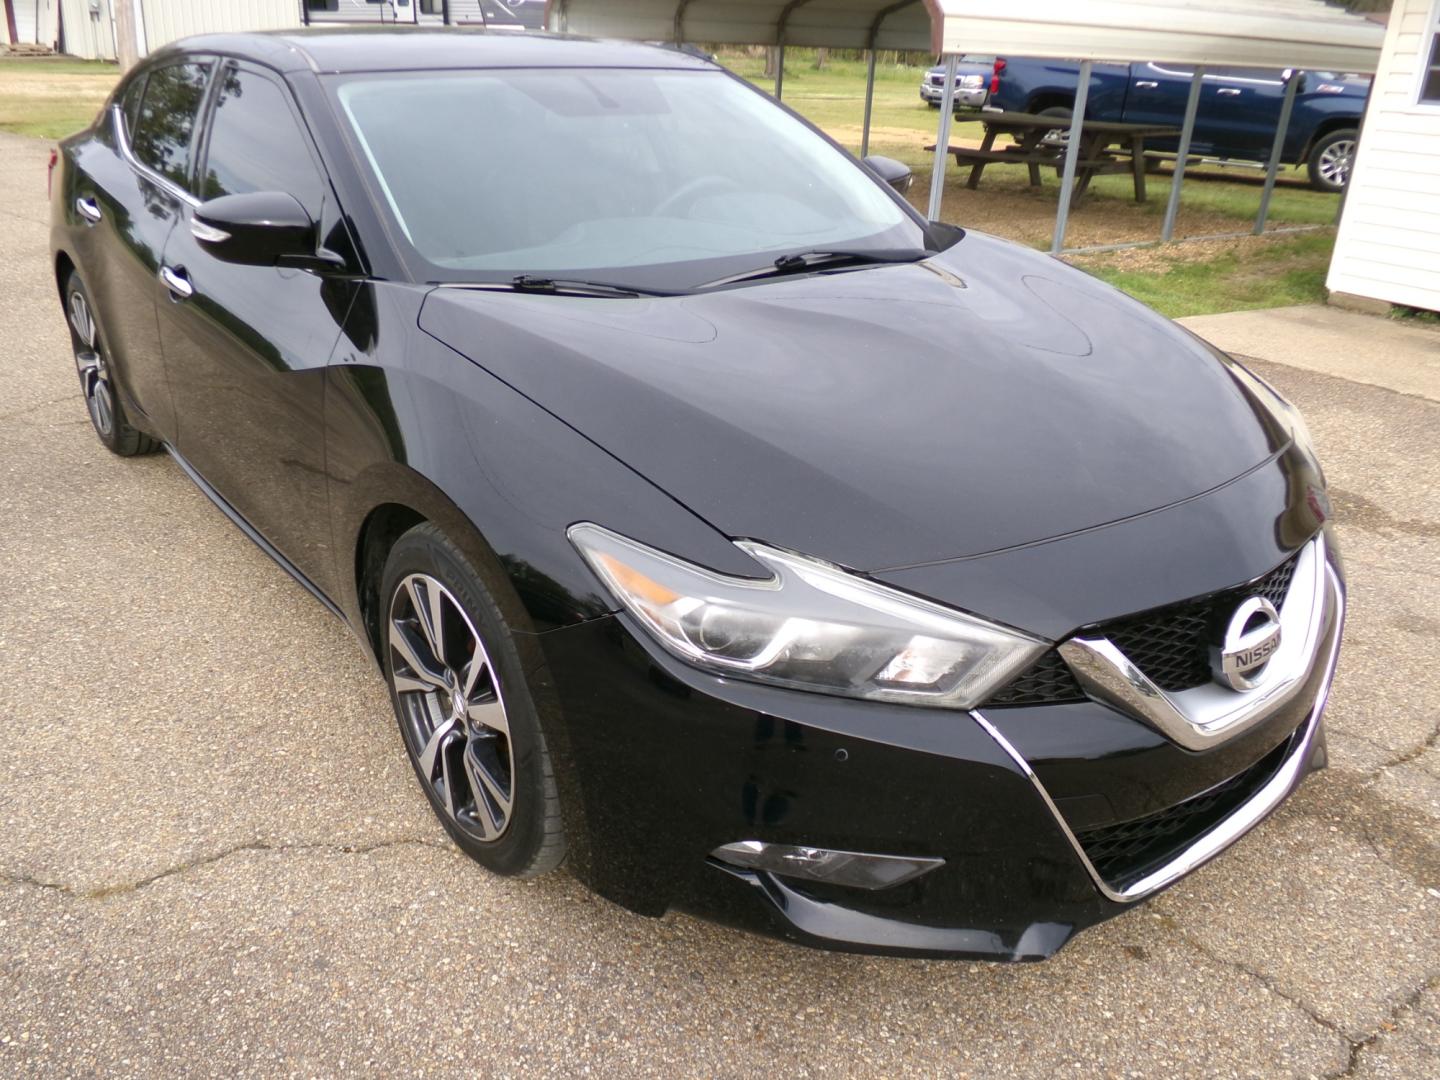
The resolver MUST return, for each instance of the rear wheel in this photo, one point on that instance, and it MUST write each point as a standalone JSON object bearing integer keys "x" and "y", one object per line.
{"x": 1057, "y": 136}
{"x": 1331, "y": 159}
{"x": 465, "y": 711}
{"x": 92, "y": 363}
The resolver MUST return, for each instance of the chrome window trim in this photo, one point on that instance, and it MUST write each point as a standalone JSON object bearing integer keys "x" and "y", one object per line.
{"x": 1204, "y": 716}
{"x": 1249, "y": 814}
{"x": 122, "y": 140}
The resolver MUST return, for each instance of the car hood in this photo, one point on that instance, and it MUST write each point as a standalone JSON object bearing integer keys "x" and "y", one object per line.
{"x": 887, "y": 417}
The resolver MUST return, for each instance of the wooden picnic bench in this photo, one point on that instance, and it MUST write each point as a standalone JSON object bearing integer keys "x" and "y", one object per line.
{"x": 1039, "y": 142}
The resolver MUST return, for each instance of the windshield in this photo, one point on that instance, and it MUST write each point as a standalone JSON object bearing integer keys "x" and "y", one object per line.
{"x": 659, "y": 177}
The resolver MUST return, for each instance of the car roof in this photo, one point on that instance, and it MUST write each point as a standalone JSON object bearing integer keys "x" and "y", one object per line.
{"x": 347, "y": 49}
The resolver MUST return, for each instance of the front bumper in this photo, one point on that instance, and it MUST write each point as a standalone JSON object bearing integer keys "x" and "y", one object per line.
{"x": 660, "y": 764}
{"x": 964, "y": 99}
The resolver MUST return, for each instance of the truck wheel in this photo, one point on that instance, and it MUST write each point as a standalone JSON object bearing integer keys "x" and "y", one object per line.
{"x": 1331, "y": 159}
{"x": 1057, "y": 136}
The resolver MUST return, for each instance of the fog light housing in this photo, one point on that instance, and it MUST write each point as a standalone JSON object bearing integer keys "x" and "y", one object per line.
{"x": 855, "y": 869}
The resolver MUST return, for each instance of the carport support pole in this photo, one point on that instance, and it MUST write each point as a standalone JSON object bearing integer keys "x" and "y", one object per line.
{"x": 869, "y": 103}
{"x": 1072, "y": 151}
{"x": 942, "y": 137}
{"x": 1292, "y": 83}
{"x": 1187, "y": 129}
{"x": 779, "y": 70}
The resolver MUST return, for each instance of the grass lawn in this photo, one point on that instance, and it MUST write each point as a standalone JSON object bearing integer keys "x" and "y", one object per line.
{"x": 50, "y": 98}
{"x": 1235, "y": 275}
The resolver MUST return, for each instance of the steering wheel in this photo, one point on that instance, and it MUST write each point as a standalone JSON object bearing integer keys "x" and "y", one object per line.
{"x": 691, "y": 190}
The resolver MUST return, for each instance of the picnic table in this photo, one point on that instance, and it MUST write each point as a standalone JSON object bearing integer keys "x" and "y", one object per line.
{"x": 1105, "y": 147}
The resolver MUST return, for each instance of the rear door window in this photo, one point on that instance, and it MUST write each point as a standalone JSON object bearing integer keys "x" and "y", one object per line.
{"x": 164, "y": 135}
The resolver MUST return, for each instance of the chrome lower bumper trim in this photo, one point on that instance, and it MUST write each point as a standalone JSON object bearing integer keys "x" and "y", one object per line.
{"x": 1249, "y": 814}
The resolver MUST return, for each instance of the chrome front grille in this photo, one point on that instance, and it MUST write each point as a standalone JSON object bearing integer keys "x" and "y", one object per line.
{"x": 1171, "y": 645}
{"x": 1048, "y": 681}
{"x": 1131, "y": 860}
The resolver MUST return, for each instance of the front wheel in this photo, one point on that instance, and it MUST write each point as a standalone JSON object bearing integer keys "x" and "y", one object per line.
{"x": 465, "y": 711}
{"x": 1331, "y": 159}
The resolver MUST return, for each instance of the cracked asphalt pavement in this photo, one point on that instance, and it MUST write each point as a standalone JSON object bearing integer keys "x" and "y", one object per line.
{"x": 214, "y": 859}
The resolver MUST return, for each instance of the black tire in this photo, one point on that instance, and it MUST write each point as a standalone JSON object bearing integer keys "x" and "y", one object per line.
{"x": 1331, "y": 160}
{"x": 477, "y": 761}
{"x": 92, "y": 363}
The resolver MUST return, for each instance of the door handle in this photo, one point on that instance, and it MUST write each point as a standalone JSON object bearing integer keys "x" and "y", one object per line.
{"x": 1146, "y": 84}
{"x": 1228, "y": 91}
{"x": 88, "y": 209}
{"x": 176, "y": 281}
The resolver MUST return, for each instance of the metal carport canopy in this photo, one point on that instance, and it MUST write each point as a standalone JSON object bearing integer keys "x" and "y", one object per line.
{"x": 1310, "y": 34}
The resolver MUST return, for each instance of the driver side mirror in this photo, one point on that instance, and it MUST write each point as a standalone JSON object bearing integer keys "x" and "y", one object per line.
{"x": 895, "y": 173}
{"x": 264, "y": 228}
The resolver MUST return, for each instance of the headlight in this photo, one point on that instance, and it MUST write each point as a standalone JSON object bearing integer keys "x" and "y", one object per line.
{"x": 972, "y": 82}
{"x": 810, "y": 626}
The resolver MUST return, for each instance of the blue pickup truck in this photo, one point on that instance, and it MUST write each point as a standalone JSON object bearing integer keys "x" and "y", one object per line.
{"x": 1238, "y": 113}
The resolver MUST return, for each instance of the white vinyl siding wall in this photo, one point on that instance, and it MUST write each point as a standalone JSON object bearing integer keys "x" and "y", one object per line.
{"x": 88, "y": 35}
{"x": 36, "y": 21}
{"x": 1388, "y": 248}
{"x": 165, "y": 21}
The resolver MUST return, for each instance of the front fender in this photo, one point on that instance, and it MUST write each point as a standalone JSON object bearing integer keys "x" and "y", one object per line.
{"x": 413, "y": 423}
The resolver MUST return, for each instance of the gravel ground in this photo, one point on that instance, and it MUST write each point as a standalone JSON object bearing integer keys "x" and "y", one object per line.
{"x": 215, "y": 861}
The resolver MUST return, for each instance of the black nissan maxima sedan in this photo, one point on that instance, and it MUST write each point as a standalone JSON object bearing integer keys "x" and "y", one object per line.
{"x": 720, "y": 526}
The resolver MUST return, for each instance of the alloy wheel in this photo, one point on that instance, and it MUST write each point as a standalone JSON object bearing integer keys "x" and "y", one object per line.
{"x": 1335, "y": 162}
{"x": 90, "y": 363}
{"x": 451, "y": 708}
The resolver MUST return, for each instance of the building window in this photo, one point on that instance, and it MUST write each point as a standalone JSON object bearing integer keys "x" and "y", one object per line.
{"x": 1430, "y": 50}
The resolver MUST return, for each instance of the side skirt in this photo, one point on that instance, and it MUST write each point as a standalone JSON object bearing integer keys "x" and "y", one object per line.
{"x": 250, "y": 531}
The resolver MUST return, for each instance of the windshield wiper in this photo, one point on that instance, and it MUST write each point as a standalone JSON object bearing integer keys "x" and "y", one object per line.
{"x": 530, "y": 283}
{"x": 580, "y": 287}
{"x": 801, "y": 262}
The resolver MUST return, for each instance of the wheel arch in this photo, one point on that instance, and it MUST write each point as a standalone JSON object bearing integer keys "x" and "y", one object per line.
{"x": 1046, "y": 99}
{"x": 1328, "y": 126}
{"x": 64, "y": 267}
{"x": 378, "y": 533}
{"x": 388, "y": 500}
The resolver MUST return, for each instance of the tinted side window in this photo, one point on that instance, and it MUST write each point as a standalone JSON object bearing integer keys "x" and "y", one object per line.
{"x": 131, "y": 102}
{"x": 166, "y": 127}
{"x": 256, "y": 144}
